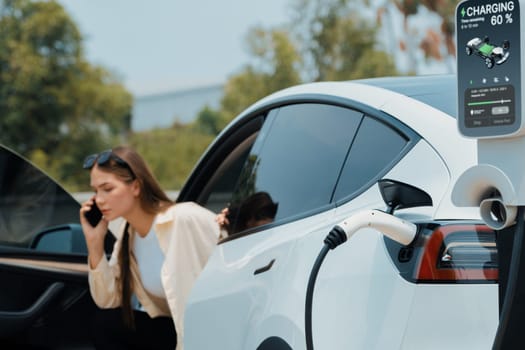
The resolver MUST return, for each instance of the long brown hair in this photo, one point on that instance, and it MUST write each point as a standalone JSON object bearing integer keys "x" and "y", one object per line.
{"x": 152, "y": 200}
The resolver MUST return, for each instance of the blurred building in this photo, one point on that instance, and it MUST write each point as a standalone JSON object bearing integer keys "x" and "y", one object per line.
{"x": 164, "y": 109}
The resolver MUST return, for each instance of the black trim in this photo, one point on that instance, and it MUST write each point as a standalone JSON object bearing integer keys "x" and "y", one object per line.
{"x": 278, "y": 223}
{"x": 264, "y": 268}
{"x": 274, "y": 343}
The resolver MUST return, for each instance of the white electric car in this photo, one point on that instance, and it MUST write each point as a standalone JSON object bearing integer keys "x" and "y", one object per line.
{"x": 290, "y": 168}
{"x": 297, "y": 163}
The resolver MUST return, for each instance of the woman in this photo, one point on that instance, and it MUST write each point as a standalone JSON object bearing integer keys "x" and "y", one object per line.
{"x": 159, "y": 252}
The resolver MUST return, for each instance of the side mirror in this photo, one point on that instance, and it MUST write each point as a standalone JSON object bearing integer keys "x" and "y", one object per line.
{"x": 67, "y": 239}
{"x": 399, "y": 195}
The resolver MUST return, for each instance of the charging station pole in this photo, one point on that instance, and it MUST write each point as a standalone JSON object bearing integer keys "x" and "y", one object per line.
{"x": 490, "y": 72}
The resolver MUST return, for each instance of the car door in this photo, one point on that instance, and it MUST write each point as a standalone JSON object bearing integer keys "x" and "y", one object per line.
{"x": 44, "y": 299}
{"x": 296, "y": 157}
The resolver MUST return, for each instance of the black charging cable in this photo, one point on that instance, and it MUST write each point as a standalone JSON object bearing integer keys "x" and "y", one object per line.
{"x": 512, "y": 284}
{"x": 336, "y": 237}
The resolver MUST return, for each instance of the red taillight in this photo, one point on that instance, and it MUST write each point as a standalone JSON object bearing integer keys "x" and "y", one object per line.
{"x": 458, "y": 253}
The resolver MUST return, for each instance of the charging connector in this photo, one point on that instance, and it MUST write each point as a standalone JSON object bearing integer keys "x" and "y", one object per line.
{"x": 397, "y": 229}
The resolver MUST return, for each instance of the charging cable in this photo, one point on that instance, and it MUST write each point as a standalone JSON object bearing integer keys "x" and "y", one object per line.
{"x": 397, "y": 229}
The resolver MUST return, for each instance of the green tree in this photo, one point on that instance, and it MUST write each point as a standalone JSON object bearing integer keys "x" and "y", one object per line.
{"x": 326, "y": 40}
{"x": 275, "y": 67}
{"x": 209, "y": 121}
{"x": 39, "y": 48}
{"x": 54, "y": 105}
{"x": 171, "y": 152}
{"x": 337, "y": 43}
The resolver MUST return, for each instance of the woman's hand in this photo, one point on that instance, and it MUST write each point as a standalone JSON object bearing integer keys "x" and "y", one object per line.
{"x": 222, "y": 219}
{"x": 94, "y": 235}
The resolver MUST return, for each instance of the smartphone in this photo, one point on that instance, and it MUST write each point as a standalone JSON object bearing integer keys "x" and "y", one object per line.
{"x": 94, "y": 215}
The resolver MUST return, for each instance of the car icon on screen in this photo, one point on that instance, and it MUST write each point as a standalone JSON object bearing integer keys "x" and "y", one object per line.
{"x": 489, "y": 53}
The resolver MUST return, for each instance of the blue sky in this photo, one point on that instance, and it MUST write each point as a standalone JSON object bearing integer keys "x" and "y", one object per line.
{"x": 164, "y": 45}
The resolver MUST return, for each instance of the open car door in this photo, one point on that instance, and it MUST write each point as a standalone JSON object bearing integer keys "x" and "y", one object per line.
{"x": 44, "y": 298}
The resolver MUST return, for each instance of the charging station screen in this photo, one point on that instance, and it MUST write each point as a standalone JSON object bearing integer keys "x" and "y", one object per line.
{"x": 488, "y": 71}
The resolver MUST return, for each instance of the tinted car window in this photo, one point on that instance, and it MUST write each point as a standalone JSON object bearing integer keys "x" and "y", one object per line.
{"x": 30, "y": 202}
{"x": 375, "y": 148}
{"x": 212, "y": 182}
{"x": 220, "y": 188}
{"x": 294, "y": 164}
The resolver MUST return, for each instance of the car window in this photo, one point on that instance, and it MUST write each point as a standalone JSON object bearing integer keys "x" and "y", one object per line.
{"x": 376, "y": 147}
{"x": 294, "y": 164}
{"x": 213, "y": 181}
{"x": 30, "y": 202}
{"x": 219, "y": 190}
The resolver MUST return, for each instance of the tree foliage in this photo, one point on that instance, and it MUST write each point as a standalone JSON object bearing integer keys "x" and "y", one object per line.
{"x": 171, "y": 152}
{"x": 55, "y": 107}
{"x": 209, "y": 121}
{"x": 326, "y": 40}
{"x": 276, "y": 67}
{"x": 337, "y": 43}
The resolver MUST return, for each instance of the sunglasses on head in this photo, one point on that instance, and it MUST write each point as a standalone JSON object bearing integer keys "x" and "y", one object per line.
{"x": 103, "y": 158}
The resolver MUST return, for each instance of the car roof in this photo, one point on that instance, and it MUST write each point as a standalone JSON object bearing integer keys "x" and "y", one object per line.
{"x": 438, "y": 91}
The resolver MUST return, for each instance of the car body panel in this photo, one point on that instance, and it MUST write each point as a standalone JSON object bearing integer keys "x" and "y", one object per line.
{"x": 469, "y": 321}
{"x": 360, "y": 300}
{"x": 375, "y": 315}
{"x": 229, "y": 282}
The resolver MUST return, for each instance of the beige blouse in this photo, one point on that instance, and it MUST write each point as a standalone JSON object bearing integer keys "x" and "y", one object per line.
{"x": 187, "y": 234}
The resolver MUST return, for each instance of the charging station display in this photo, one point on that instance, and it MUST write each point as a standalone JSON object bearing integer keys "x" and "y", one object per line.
{"x": 489, "y": 68}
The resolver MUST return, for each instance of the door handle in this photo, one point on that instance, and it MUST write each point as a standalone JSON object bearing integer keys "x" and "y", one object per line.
{"x": 14, "y": 321}
{"x": 264, "y": 268}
